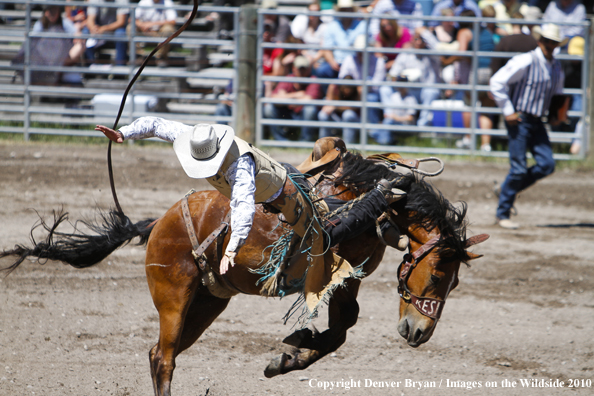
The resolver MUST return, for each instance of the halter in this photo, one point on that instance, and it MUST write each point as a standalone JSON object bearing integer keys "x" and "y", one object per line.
{"x": 430, "y": 307}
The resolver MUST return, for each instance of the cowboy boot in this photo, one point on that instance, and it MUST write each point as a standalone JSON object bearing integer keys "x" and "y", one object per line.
{"x": 392, "y": 194}
{"x": 394, "y": 239}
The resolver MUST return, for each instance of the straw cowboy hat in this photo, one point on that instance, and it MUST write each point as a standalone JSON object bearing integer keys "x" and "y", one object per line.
{"x": 202, "y": 150}
{"x": 552, "y": 32}
{"x": 576, "y": 46}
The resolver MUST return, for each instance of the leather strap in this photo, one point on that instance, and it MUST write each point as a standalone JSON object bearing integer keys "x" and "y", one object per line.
{"x": 191, "y": 233}
{"x": 430, "y": 307}
{"x": 198, "y": 249}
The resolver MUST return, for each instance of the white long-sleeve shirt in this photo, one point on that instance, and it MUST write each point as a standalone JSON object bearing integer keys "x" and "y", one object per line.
{"x": 240, "y": 175}
{"x": 545, "y": 80}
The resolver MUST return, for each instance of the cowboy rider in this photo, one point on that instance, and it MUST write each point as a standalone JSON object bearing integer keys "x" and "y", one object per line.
{"x": 247, "y": 175}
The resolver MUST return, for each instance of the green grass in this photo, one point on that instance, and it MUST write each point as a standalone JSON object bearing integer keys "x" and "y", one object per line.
{"x": 407, "y": 141}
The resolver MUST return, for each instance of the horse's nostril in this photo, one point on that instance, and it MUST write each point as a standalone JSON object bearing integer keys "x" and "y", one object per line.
{"x": 403, "y": 328}
{"x": 418, "y": 335}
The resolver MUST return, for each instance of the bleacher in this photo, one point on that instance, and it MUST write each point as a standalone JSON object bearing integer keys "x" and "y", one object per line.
{"x": 199, "y": 67}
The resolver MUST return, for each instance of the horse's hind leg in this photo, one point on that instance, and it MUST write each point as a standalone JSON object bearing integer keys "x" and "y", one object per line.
{"x": 343, "y": 311}
{"x": 201, "y": 313}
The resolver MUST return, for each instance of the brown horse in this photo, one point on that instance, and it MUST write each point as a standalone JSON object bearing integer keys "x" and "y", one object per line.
{"x": 187, "y": 307}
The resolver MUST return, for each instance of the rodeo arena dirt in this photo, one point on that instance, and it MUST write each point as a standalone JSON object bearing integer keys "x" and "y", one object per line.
{"x": 519, "y": 323}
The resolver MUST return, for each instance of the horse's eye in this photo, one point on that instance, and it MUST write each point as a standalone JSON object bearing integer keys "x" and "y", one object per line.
{"x": 435, "y": 279}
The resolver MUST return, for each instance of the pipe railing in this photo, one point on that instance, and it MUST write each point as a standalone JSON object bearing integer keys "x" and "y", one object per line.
{"x": 472, "y": 87}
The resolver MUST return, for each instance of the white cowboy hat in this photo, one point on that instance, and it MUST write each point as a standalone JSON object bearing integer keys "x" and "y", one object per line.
{"x": 202, "y": 150}
{"x": 340, "y": 4}
{"x": 552, "y": 32}
{"x": 268, "y": 4}
{"x": 412, "y": 75}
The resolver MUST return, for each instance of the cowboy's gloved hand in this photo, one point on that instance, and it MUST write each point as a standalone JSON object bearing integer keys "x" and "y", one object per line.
{"x": 227, "y": 258}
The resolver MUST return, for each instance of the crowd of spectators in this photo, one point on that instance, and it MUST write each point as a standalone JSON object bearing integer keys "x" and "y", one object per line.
{"x": 345, "y": 47}
{"x": 101, "y": 19}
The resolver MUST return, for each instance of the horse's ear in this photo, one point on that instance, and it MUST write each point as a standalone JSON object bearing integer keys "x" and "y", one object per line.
{"x": 473, "y": 256}
{"x": 476, "y": 239}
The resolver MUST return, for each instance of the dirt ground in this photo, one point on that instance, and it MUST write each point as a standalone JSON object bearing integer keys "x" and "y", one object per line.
{"x": 523, "y": 312}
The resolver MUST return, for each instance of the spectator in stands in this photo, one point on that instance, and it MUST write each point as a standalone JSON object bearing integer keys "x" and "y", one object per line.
{"x": 225, "y": 106}
{"x": 484, "y": 73}
{"x": 376, "y": 73}
{"x": 486, "y": 44}
{"x": 461, "y": 63}
{"x": 156, "y": 18}
{"x": 341, "y": 92}
{"x": 429, "y": 68}
{"x": 518, "y": 41}
{"x": 281, "y": 26}
{"x": 446, "y": 30}
{"x": 268, "y": 57}
{"x": 566, "y": 11}
{"x": 573, "y": 80}
{"x": 77, "y": 15}
{"x": 298, "y": 93}
{"x": 277, "y": 61}
{"x": 282, "y": 58}
{"x": 398, "y": 7}
{"x": 341, "y": 32}
{"x": 310, "y": 30}
{"x": 505, "y": 10}
{"x": 457, "y": 5}
{"x": 406, "y": 115}
{"x": 52, "y": 51}
{"x": 391, "y": 35}
{"x": 225, "y": 20}
{"x": 107, "y": 21}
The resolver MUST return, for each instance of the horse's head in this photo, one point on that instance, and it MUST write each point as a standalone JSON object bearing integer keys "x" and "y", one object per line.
{"x": 426, "y": 276}
{"x": 437, "y": 234}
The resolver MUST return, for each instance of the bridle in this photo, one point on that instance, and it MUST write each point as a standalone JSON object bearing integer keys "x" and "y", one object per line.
{"x": 430, "y": 307}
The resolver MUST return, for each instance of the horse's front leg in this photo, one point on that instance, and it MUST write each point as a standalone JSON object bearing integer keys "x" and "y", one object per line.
{"x": 343, "y": 311}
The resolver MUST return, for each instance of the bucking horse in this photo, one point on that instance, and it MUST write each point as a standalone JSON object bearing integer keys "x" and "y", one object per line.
{"x": 189, "y": 292}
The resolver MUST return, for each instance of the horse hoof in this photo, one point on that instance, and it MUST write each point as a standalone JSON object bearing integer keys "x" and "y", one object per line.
{"x": 276, "y": 365}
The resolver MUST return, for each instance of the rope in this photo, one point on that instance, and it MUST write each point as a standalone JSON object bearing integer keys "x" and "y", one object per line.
{"x": 129, "y": 87}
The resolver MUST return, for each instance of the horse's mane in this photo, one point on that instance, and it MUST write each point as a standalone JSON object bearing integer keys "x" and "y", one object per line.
{"x": 424, "y": 202}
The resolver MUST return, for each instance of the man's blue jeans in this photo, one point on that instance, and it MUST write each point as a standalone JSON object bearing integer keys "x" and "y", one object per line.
{"x": 120, "y": 46}
{"x": 308, "y": 113}
{"x": 349, "y": 135}
{"x": 424, "y": 96}
{"x": 385, "y": 136}
{"x": 223, "y": 110}
{"x": 528, "y": 134}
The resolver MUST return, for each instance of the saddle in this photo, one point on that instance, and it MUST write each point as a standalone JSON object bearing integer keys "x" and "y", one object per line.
{"x": 328, "y": 150}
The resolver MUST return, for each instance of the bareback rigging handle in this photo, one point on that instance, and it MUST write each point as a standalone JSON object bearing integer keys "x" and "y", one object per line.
{"x": 129, "y": 87}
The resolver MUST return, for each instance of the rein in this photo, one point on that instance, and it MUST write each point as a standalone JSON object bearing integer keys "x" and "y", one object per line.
{"x": 430, "y": 307}
{"x": 129, "y": 87}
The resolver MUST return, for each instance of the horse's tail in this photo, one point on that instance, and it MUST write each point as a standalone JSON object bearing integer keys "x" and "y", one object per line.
{"x": 79, "y": 249}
